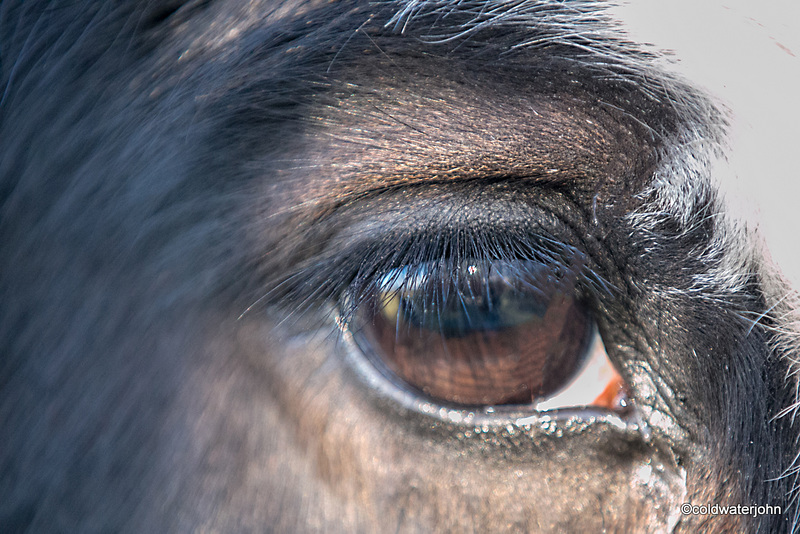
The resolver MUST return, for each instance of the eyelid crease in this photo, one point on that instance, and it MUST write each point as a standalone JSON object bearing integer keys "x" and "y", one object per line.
{"x": 460, "y": 177}
{"x": 365, "y": 240}
{"x": 481, "y": 207}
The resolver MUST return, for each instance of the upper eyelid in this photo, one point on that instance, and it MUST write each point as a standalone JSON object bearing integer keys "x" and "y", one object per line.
{"x": 356, "y": 267}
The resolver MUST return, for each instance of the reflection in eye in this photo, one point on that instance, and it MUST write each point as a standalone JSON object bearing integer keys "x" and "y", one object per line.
{"x": 478, "y": 332}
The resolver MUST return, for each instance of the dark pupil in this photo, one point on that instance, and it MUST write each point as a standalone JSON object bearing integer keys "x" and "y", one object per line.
{"x": 502, "y": 333}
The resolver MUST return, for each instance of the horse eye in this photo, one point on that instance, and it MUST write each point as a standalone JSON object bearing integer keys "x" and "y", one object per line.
{"x": 479, "y": 332}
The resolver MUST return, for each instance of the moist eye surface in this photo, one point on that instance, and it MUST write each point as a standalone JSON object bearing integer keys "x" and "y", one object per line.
{"x": 476, "y": 332}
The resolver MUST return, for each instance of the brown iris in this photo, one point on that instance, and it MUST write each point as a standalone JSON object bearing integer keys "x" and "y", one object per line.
{"x": 488, "y": 333}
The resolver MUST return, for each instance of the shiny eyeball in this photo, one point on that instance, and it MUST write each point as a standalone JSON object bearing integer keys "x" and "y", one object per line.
{"x": 481, "y": 332}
